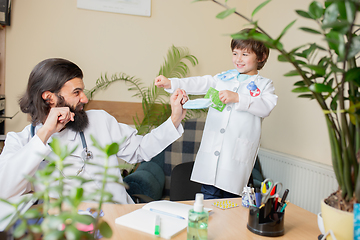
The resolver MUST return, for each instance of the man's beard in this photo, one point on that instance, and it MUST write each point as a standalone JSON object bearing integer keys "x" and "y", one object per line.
{"x": 81, "y": 120}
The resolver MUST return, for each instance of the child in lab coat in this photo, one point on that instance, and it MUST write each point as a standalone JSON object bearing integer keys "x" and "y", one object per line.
{"x": 231, "y": 137}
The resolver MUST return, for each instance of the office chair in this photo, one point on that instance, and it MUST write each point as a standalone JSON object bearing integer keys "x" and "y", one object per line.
{"x": 181, "y": 188}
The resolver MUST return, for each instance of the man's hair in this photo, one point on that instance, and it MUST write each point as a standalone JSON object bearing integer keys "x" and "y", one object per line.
{"x": 48, "y": 75}
{"x": 257, "y": 47}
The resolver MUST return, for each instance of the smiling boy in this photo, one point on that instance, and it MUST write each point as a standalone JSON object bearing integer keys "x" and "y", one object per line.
{"x": 231, "y": 137}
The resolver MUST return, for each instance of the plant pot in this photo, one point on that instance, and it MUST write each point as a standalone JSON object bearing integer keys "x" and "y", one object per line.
{"x": 340, "y": 222}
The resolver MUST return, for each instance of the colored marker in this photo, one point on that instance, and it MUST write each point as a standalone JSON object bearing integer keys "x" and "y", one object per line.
{"x": 257, "y": 197}
{"x": 283, "y": 208}
{"x": 284, "y": 196}
{"x": 276, "y": 202}
{"x": 157, "y": 225}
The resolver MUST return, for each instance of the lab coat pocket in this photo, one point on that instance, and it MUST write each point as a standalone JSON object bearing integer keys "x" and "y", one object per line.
{"x": 244, "y": 150}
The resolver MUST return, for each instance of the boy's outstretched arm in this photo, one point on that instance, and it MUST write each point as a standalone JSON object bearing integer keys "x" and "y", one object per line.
{"x": 161, "y": 81}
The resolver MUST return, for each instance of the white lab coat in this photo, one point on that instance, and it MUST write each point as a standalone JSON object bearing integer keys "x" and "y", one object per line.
{"x": 23, "y": 154}
{"x": 231, "y": 138}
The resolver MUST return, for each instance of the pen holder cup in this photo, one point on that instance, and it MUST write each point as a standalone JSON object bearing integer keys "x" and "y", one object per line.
{"x": 266, "y": 221}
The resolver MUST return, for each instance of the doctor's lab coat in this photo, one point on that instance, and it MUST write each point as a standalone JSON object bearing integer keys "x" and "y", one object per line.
{"x": 24, "y": 154}
{"x": 231, "y": 138}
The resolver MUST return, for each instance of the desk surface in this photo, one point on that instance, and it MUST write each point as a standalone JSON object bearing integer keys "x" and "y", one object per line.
{"x": 223, "y": 224}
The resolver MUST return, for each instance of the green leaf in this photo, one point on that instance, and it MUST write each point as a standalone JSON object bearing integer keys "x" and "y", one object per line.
{"x": 55, "y": 146}
{"x": 303, "y": 14}
{"x": 75, "y": 197}
{"x": 333, "y": 104}
{"x": 331, "y": 14}
{"x": 285, "y": 30}
{"x": 71, "y": 232}
{"x": 53, "y": 235}
{"x": 112, "y": 149}
{"x": 319, "y": 88}
{"x": 300, "y": 83}
{"x": 310, "y": 96}
{"x": 292, "y": 73}
{"x": 336, "y": 42}
{"x": 32, "y": 213}
{"x": 354, "y": 47}
{"x": 105, "y": 229}
{"x": 341, "y": 26}
{"x": 226, "y": 13}
{"x": 282, "y": 58}
{"x": 300, "y": 90}
{"x": 306, "y": 53}
{"x": 53, "y": 222}
{"x": 199, "y": 1}
{"x": 350, "y": 11}
{"x": 171, "y": 68}
{"x": 35, "y": 228}
{"x": 7, "y": 202}
{"x": 259, "y": 7}
{"x": 95, "y": 143}
{"x": 261, "y": 37}
{"x": 342, "y": 10}
{"x": 316, "y": 10}
{"x": 353, "y": 75}
{"x": 318, "y": 69}
{"x": 300, "y": 62}
{"x": 73, "y": 150}
{"x": 309, "y": 30}
{"x": 84, "y": 219}
{"x": 335, "y": 69}
{"x": 20, "y": 229}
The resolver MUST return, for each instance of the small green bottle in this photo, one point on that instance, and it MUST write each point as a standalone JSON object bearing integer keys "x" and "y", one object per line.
{"x": 198, "y": 220}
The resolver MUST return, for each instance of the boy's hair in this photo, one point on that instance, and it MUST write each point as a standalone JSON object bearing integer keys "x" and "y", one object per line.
{"x": 257, "y": 47}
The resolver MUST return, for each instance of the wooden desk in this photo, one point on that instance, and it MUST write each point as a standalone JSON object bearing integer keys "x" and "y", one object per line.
{"x": 223, "y": 224}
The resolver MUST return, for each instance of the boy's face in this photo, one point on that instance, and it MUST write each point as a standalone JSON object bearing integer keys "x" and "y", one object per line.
{"x": 245, "y": 61}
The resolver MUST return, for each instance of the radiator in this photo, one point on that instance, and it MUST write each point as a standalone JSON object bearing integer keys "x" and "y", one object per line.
{"x": 308, "y": 182}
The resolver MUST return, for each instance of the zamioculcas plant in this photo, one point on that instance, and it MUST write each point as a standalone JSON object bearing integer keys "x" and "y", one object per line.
{"x": 328, "y": 73}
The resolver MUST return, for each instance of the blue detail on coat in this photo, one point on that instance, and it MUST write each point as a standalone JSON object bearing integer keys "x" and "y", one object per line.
{"x": 228, "y": 75}
{"x": 251, "y": 86}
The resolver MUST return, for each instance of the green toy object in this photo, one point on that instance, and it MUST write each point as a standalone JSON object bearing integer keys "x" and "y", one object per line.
{"x": 213, "y": 94}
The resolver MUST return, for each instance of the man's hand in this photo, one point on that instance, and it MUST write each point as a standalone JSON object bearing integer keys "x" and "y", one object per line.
{"x": 163, "y": 82}
{"x": 56, "y": 120}
{"x": 178, "y": 98}
{"x": 227, "y": 96}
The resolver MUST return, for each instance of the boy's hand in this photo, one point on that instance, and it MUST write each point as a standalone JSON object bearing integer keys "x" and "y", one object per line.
{"x": 227, "y": 96}
{"x": 163, "y": 82}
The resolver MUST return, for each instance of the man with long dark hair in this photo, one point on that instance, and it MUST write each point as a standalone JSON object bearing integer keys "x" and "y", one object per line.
{"x": 55, "y": 100}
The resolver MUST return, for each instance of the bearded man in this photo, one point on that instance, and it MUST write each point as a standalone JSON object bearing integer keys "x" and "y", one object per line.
{"x": 55, "y": 101}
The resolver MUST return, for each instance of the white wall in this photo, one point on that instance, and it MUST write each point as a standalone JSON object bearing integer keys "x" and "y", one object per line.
{"x": 101, "y": 42}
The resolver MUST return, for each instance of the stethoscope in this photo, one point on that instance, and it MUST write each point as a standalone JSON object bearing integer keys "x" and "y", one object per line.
{"x": 85, "y": 154}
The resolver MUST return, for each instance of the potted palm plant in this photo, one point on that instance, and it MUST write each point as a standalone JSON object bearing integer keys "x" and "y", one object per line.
{"x": 155, "y": 101}
{"x": 330, "y": 76}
